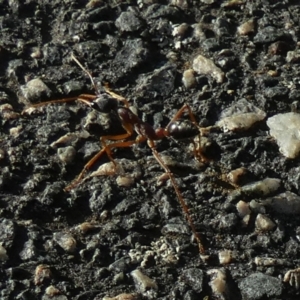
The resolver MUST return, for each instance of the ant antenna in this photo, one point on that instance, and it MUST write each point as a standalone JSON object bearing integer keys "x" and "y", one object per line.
{"x": 86, "y": 71}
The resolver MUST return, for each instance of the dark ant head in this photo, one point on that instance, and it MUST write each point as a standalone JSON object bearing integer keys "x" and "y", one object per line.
{"x": 105, "y": 104}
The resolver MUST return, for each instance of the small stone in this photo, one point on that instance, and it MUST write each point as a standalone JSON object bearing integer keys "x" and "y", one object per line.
{"x": 235, "y": 175}
{"x": 270, "y": 261}
{"x": 263, "y": 223}
{"x": 70, "y": 138}
{"x": 287, "y": 203}
{"x": 205, "y": 66}
{"x": 3, "y": 255}
{"x": 125, "y": 181}
{"x": 180, "y": 30}
{"x": 66, "y": 154}
{"x": 51, "y": 291}
{"x": 240, "y": 116}
{"x": 293, "y": 56}
{"x": 194, "y": 278}
{"x": 225, "y": 257}
{"x": 188, "y": 78}
{"x": 42, "y": 273}
{"x": 218, "y": 283}
{"x": 29, "y": 251}
{"x": 160, "y": 82}
{"x": 66, "y": 241}
{"x": 143, "y": 282}
{"x": 86, "y": 227}
{"x": 243, "y": 209}
{"x": 285, "y": 129}
{"x": 246, "y": 27}
{"x": 7, "y": 112}
{"x": 263, "y": 187}
{"x": 266, "y": 287}
{"x": 128, "y": 22}
{"x": 35, "y": 89}
{"x": 122, "y": 297}
{"x": 15, "y": 131}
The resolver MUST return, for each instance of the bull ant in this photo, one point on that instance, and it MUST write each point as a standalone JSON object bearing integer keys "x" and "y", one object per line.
{"x": 177, "y": 129}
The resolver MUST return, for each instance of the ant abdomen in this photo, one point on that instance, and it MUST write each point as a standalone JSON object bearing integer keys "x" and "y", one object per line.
{"x": 182, "y": 129}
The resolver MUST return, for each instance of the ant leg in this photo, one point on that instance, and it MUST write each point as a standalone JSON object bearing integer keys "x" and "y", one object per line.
{"x": 181, "y": 111}
{"x": 107, "y": 149}
{"x": 183, "y": 204}
{"x": 85, "y": 98}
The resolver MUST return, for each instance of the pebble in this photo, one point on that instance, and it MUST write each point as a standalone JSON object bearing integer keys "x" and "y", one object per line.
{"x": 270, "y": 261}
{"x": 235, "y": 175}
{"x": 122, "y": 297}
{"x": 287, "y": 203}
{"x": 65, "y": 241}
{"x": 35, "y": 89}
{"x": 225, "y": 257}
{"x": 218, "y": 283}
{"x": 143, "y": 282}
{"x": 160, "y": 82}
{"x": 205, "y": 66}
{"x": 70, "y": 138}
{"x": 3, "y": 254}
{"x": 263, "y": 223}
{"x": 240, "y": 116}
{"x": 188, "y": 78}
{"x": 194, "y": 278}
{"x": 128, "y": 22}
{"x": 263, "y": 187}
{"x": 51, "y": 291}
{"x": 29, "y": 251}
{"x": 246, "y": 28}
{"x": 293, "y": 56}
{"x": 42, "y": 273}
{"x": 243, "y": 209}
{"x": 7, "y": 112}
{"x": 285, "y": 129}
{"x": 66, "y": 154}
{"x": 15, "y": 131}
{"x": 266, "y": 287}
{"x": 86, "y": 227}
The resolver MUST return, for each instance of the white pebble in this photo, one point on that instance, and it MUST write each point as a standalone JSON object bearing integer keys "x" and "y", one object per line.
{"x": 188, "y": 78}
{"x": 240, "y": 116}
{"x": 285, "y": 129}
{"x": 66, "y": 154}
{"x": 142, "y": 281}
{"x": 263, "y": 223}
{"x": 225, "y": 257}
{"x": 243, "y": 209}
{"x": 206, "y": 66}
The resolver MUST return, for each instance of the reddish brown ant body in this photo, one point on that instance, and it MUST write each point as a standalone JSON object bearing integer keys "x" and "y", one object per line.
{"x": 177, "y": 129}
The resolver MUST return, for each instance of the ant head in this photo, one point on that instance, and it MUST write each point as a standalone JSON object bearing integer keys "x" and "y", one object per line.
{"x": 105, "y": 104}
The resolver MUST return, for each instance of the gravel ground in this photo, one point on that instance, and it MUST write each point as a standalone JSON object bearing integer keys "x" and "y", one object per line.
{"x": 125, "y": 236}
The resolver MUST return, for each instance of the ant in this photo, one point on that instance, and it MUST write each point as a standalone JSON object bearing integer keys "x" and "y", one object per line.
{"x": 177, "y": 129}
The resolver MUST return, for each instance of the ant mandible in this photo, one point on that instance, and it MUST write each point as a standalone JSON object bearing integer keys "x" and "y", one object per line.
{"x": 177, "y": 129}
